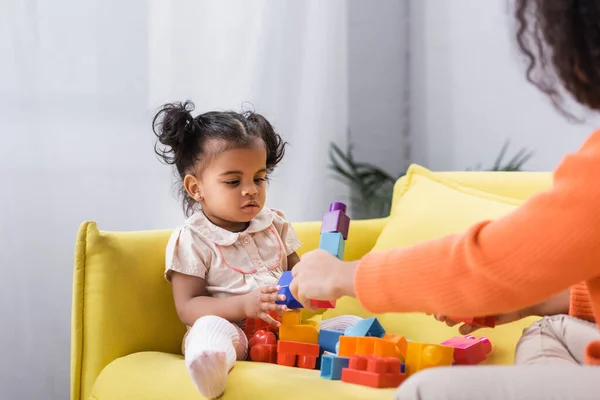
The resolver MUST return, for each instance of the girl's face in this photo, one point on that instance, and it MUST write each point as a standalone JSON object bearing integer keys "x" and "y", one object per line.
{"x": 232, "y": 187}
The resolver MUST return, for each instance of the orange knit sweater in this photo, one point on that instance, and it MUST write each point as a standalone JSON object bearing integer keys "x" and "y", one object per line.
{"x": 550, "y": 243}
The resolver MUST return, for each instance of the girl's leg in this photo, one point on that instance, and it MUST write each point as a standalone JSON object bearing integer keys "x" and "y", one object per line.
{"x": 537, "y": 382}
{"x": 340, "y": 323}
{"x": 212, "y": 346}
{"x": 559, "y": 339}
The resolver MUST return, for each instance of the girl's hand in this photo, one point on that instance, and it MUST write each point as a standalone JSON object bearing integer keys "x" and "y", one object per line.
{"x": 321, "y": 276}
{"x": 258, "y": 303}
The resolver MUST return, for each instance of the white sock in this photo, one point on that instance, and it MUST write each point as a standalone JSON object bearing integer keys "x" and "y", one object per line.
{"x": 340, "y": 323}
{"x": 212, "y": 347}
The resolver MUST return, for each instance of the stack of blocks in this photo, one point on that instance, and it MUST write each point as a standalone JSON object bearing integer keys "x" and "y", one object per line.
{"x": 334, "y": 233}
{"x": 364, "y": 354}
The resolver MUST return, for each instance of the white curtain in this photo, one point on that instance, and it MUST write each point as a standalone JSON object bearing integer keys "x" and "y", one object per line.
{"x": 79, "y": 83}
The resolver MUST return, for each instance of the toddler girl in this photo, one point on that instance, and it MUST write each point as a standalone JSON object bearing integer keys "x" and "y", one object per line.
{"x": 224, "y": 262}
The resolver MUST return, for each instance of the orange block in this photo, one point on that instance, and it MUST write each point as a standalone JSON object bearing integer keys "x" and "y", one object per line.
{"x": 374, "y": 371}
{"x": 420, "y": 356}
{"x": 351, "y": 345}
{"x": 400, "y": 343}
{"x": 299, "y": 333}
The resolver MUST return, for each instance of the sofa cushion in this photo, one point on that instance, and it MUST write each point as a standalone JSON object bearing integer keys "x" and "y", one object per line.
{"x": 163, "y": 376}
{"x": 431, "y": 206}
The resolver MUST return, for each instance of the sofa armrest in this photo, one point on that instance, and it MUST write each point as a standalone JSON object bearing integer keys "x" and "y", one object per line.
{"x": 362, "y": 236}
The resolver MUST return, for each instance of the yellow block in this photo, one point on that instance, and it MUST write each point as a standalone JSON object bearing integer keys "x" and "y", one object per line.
{"x": 420, "y": 356}
{"x": 291, "y": 317}
{"x": 299, "y": 333}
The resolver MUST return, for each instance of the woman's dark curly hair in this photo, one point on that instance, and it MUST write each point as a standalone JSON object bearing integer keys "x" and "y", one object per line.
{"x": 561, "y": 40}
{"x": 184, "y": 140}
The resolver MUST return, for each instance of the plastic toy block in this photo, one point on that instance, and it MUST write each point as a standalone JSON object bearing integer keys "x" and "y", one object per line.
{"x": 366, "y": 327}
{"x": 350, "y": 346}
{"x": 469, "y": 350}
{"x": 328, "y": 340}
{"x": 284, "y": 282}
{"x": 299, "y": 333}
{"x": 336, "y": 220}
{"x": 420, "y": 356}
{"x": 374, "y": 371}
{"x": 291, "y": 317}
{"x": 302, "y": 355}
{"x": 262, "y": 337}
{"x": 333, "y": 243}
{"x": 332, "y": 366}
{"x": 487, "y": 322}
{"x": 266, "y": 353}
{"x": 400, "y": 342}
{"x": 253, "y": 325}
{"x": 323, "y": 303}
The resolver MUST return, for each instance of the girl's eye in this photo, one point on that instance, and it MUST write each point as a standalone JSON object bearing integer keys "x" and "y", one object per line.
{"x": 232, "y": 183}
{"x": 259, "y": 180}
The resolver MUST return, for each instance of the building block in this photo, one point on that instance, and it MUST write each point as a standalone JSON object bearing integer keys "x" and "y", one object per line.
{"x": 290, "y": 301}
{"x": 263, "y": 347}
{"x": 420, "y": 356}
{"x": 469, "y": 350}
{"x": 350, "y": 346}
{"x": 322, "y": 303}
{"x": 374, "y": 371}
{"x": 254, "y": 324}
{"x": 291, "y": 317}
{"x": 336, "y": 220}
{"x": 266, "y": 353}
{"x": 328, "y": 340}
{"x": 333, "y": 243}
{"x": 486, "y": 322}
{"x": 302, "y": 355}
{"x": 366, "y": 327}
{"x": 332, "y": 365}
{"x": 262, "y": 337}
{"x": 299, "y": 333}
{"x": 400, "y": 342}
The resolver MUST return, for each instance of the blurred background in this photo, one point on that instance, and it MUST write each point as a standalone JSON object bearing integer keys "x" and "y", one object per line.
{"x": 353, "y": 85}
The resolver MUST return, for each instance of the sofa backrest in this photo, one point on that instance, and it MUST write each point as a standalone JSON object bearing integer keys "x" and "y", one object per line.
{"x": 517, "y": 185}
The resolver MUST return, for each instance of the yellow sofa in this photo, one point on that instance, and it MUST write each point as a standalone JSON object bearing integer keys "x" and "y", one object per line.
{"x": 126, "y": 336}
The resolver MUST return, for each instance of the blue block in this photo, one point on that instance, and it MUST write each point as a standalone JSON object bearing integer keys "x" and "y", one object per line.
{"x": 334, "y": 243}
{"x": 329, "y": 339}
{"x": 290, "y": 301}
{"x": 332, "y": 365}
{"x": 366, "y": 327}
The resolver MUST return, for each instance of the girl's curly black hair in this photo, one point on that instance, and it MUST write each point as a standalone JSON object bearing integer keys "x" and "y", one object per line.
{"x": 182, "y": 139}
{"x": 561, "y": 40}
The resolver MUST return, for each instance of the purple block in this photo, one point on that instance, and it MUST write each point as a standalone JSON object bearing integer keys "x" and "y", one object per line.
{"x": 336, "y": 220}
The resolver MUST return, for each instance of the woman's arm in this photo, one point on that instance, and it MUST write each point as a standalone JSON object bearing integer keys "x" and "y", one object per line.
{"x": 548, "y": 244}
{"x": 292, "y": 260}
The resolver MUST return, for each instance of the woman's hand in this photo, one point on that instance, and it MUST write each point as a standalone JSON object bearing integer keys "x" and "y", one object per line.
{"x": 557, "y": 304}
{"x": 321, "y": 276}
{"x": 258, "y": 303}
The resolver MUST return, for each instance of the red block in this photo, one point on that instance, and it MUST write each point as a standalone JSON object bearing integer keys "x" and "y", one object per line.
{"x": 262, "y": 337}
{"x": 254, "y": 324}
{"x": 266, "y": 353}
{"x": 322, "y": 303}
{"x": 488, "y": 322}
{"x": 469, "y": 350}
{"x": 374, "y": 371}
{"x": 295, "y": 354}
